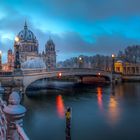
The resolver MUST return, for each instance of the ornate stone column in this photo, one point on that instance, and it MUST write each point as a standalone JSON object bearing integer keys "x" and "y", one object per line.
{"x": 14, "y": 113}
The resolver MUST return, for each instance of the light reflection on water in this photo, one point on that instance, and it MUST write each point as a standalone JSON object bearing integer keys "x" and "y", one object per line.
{"x": 99, "y": 98}
{"x": 60, "y": 106}
{"x": 98, "y": 113}
{"x": 113, "y": 110}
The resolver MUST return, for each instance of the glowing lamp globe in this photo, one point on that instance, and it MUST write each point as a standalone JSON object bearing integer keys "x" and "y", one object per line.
{"x": 113, "y": 55}
{"x": 16, "y": 39}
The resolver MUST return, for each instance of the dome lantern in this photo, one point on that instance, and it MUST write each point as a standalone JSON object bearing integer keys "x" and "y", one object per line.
{"x": 25, "y": 25}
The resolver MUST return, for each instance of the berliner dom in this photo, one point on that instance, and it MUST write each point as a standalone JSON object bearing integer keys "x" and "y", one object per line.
{"x": 29, "y": 51}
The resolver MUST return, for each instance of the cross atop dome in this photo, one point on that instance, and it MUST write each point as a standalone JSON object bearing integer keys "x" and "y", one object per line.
{"x": 27, "y": 35}
{"x": 25, "y": 25}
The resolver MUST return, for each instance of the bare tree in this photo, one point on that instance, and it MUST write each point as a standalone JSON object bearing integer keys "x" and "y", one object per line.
{"x": 131, "y": 54}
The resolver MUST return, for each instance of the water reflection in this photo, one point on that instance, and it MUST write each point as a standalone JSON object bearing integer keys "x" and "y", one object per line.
{"x": 113, "y": 110}
{"x": 60, "y": 106}
{"x": 99, "y": 98}
{"x": 111, "y": 115}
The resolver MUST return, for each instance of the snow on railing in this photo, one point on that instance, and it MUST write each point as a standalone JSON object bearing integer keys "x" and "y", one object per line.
{"x": 21, "y": 132}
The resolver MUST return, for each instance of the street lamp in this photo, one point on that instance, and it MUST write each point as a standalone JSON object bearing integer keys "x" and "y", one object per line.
{"x": 0, "y": 60}
{"x": 113, "y": 55}
{"x": 80, "y": 58}
{"x": 17, "y": 64}
{"x": 80, "y": 61}
{"x": 113, "y": 62}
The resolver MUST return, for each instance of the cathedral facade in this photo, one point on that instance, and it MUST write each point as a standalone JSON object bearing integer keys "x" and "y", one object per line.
{"x": 29, "y": 49}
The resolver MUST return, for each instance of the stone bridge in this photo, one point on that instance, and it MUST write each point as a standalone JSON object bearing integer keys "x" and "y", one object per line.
{"x": 22, "y": 79}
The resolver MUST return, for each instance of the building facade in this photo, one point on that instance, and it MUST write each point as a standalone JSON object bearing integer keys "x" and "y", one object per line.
{"x": 29, "y": 49}
{"x": 127, "y": 68}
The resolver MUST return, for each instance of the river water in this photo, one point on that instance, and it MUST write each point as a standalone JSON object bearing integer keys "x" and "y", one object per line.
{"x": 98, "y": 112}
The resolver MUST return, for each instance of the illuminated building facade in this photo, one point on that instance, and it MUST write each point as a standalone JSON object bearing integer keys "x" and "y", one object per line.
{"x": 127, "y": 68}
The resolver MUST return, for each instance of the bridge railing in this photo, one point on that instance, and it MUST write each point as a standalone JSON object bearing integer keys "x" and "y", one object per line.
{"x": 10, "y": 123}
{"x": 33, "y": 71}
{"x": 27, "y": 71}
{"x": 30, "y": 71}
{"x": 89, "y": 69}
{"x": 2, "y": 73}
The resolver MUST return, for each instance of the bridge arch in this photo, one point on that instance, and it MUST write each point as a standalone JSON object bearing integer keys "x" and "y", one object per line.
{"x": 28, "y": 79}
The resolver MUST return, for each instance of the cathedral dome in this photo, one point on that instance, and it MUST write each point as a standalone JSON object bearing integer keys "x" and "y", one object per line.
{"x": 36, "y": 63}
{"x": 26, "y": 35}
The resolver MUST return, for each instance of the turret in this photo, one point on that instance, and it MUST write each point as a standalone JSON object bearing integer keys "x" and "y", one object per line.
{"x": 50, "y": 54}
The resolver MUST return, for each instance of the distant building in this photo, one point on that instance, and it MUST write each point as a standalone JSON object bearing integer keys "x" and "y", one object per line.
{"x": 5, "y": 67}
{"x": 10, "y": 58}
{"x": 119, "y": 66}
{"x": 127, "y": 68}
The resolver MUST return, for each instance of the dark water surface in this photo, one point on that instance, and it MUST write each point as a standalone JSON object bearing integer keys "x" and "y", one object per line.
{"x": 97, "y": 112}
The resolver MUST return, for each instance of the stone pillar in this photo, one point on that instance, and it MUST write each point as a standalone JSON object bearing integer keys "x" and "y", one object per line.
{"x": 14, "y": 113}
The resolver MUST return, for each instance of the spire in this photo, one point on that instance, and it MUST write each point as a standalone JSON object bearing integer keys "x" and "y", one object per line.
{"x": 49, "y": 37}
{"x": 25, "y": 25}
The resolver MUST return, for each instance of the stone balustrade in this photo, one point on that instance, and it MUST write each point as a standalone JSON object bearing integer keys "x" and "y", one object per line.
{"x": 11, "y": 118}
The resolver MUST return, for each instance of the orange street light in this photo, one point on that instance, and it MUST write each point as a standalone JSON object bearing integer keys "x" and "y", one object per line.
{"x": 59, "y": 74}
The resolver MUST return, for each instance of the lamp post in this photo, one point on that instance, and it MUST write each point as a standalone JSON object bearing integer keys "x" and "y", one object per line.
{"x": 80, "y": 62}
{"x": 113, "y": 62}
{"x": 17, "y": 64}
{"x": 113, "y": 69}
{"x": 0, "y": 60}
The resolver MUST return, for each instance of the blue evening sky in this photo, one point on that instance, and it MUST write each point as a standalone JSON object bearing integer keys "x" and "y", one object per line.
{"x": 77, "y": 27}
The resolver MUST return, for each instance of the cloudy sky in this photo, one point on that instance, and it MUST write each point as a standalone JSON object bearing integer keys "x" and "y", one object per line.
{"x": 77, "y": 27}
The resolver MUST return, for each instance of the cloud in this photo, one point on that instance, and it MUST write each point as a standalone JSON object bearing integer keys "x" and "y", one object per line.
{"x": 77, "y": 27}
{"x": 73, "y": 44}
{"x": 93, "y": 9}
